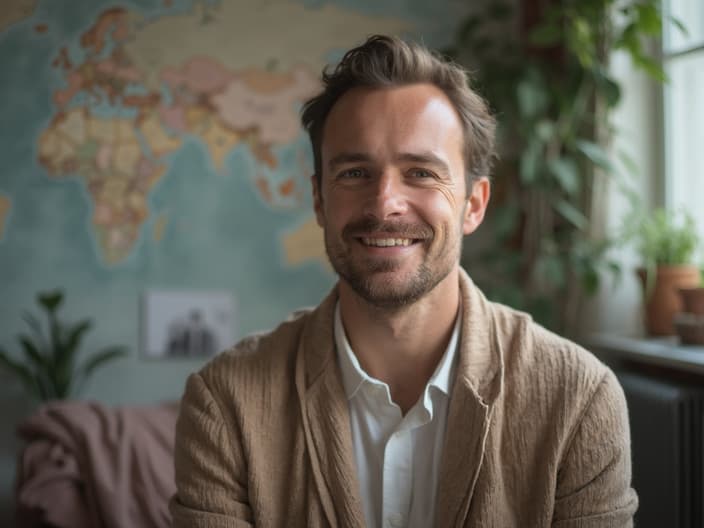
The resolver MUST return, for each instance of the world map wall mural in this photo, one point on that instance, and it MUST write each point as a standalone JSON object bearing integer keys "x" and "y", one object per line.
{"x": 157, "y": 144}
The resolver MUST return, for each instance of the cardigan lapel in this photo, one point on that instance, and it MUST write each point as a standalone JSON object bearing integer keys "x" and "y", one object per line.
{"x": 326, "y": 420}
{"x": 463, "y": 455}
{"x": 477, "y": 385}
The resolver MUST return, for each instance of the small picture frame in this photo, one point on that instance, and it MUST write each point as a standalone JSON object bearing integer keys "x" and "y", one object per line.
{"x": 187, "y": 324}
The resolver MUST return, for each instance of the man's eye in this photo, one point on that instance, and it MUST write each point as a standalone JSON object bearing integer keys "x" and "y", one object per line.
{"x": 421, "y": 173}
{"x": 352, "y": 174}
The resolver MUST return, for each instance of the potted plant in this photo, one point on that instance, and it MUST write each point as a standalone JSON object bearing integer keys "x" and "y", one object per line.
{"x": 50, "y": 369}
{"x": 666, "y": 242}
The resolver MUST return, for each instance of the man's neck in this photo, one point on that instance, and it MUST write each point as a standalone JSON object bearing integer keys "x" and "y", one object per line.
{"x": 402, "y": 347}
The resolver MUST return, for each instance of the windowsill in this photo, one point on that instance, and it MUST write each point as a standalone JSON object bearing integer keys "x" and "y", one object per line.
{"x": 666, "y": 351}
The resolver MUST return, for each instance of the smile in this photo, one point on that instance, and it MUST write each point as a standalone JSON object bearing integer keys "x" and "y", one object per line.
{"x": 387, "y": 242}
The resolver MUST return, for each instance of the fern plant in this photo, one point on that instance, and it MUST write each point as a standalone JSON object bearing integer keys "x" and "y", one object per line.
{"x": 50, "y": 368}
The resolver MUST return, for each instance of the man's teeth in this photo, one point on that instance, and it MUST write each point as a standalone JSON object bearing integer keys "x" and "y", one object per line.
{"x": 386, "y": 242}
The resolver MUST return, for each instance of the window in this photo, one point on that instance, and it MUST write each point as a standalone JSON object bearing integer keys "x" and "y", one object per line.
{"x": 683, "y": 59}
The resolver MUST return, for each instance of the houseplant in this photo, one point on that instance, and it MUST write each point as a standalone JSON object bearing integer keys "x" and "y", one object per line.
{"x": 50, "y": 369}
{"x": 666, "y": 242}
{"x": 545, "y": 71}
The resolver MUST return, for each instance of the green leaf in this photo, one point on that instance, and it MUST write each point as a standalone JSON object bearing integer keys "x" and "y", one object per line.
{"x": 545, "y": 35}
{"x": 566, "y": 173}
{"x": 570, "y": 213}
{"x": 531, "y": 96}
{"x": 649, "y": 19}
{"x": 32, "y": 352}
{"x": 65, "y": 357}
{"x": 35, "y": 326}
{"x": 57, "y": 345}
{"x": 595, "y": 154}
{"x": 609, "y": 88}
{"x": 590, "y": 280}
{"x": 530, "y": 163}
{"x": 551, "y": 269}
{"x": 545, "y": 130}
{"x": 100, "y": 358}
{"x": 75, "y": 335}
{"x": 51, "y": 300}
{"x": 615, "y": 270}
{"x": 651, "y": 67}
{"x": 679, "y": 25}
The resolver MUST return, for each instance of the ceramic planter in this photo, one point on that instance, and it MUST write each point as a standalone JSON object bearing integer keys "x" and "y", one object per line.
{"x": 662, "y": 296}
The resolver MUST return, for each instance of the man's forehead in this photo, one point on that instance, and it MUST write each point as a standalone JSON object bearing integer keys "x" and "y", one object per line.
{"x": 413, "y": 120}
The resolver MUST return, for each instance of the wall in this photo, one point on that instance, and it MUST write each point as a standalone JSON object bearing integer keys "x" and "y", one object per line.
{"x": 155, "y": 145}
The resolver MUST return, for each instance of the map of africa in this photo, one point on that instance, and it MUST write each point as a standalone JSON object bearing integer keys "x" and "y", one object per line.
{"x": 159, "y": 143}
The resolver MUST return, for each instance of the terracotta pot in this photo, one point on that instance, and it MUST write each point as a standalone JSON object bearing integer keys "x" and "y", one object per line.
{"x": 692, "y": 300}
{"x": 662, "y": 297}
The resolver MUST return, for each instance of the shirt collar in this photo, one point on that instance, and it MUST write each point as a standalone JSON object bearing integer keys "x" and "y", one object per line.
{"x": 353, "y": 376}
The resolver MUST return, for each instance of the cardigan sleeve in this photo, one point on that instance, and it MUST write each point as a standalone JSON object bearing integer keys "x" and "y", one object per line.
{"x": 594, "y": 478}
{"x": 211, "y": 472}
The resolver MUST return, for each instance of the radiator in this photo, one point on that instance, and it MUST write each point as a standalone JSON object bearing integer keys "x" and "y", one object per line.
{"x": 667, "y": 438}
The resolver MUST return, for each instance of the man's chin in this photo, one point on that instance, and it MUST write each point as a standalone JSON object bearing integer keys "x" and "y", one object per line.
{"x": 387, "y": 289}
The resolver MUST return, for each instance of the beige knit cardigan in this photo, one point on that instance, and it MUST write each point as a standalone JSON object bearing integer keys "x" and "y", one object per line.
{"x": 537, "y": 431}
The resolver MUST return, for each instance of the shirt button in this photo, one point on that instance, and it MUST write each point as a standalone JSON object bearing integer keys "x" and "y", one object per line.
{"x": 396, "y": 520}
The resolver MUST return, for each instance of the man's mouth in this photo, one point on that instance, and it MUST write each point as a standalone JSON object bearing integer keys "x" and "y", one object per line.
{"x": 387, "y": 242}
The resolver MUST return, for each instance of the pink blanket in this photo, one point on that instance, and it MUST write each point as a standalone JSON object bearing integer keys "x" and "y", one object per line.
{"x": 88, "y": 465}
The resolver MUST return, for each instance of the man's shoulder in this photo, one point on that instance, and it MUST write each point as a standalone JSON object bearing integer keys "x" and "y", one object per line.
{"x": 550, "y": 378}
{"x": 535, "y": 353}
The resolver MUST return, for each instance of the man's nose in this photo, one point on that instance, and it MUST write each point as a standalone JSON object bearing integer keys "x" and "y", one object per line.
{"x": 388, "y": 196}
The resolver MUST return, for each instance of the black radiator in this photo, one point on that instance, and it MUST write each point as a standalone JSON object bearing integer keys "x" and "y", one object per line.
{"x": 667, "y": 438}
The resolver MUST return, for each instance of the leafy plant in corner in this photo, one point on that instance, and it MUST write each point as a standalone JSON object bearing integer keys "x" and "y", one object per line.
{"x": 547, "y": 77}
{"x": 50, "y": 369}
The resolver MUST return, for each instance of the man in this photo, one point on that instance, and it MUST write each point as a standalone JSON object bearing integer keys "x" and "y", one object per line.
{"x": 405, "y": 398}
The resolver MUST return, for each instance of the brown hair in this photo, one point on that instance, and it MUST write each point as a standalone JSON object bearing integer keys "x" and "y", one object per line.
{"x": 386, "y": 62}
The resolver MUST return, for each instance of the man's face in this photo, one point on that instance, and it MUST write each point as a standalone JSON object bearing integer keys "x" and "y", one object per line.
{"x": 392, "y": 198}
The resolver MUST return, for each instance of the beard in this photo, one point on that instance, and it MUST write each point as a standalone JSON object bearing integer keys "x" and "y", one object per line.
{"x": 380, "y": 281}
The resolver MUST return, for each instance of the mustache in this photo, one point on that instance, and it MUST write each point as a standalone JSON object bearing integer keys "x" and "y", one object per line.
{"x": 401, "y": 229}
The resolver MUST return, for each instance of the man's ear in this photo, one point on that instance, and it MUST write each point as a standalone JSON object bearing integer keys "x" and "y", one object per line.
{"x": 317, "y": 200}
{"x": 477, "y": 201}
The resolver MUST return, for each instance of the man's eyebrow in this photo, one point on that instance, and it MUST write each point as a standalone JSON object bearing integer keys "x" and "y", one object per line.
{"x": 348, "y": 157}
{"x": 427, "y": 158}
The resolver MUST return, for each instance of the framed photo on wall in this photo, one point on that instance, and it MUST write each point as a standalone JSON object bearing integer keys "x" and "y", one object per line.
{"x": 186, "y": 324}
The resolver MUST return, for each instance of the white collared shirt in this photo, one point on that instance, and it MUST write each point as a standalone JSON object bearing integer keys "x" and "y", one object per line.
{"x": 397, "y": 457}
